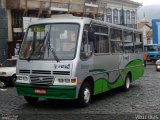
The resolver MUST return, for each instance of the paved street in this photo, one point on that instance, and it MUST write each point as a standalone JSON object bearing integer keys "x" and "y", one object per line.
{"x": 142, "y": 101}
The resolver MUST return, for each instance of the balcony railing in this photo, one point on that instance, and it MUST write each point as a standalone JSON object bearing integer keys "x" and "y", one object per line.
{"x": 57, "y": 5}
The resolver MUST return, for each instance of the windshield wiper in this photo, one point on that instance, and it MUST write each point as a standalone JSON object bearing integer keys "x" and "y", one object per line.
{"x": 54, "y": 54}
{"x": 33, "y": 46}
{"x": 52, "y": 51}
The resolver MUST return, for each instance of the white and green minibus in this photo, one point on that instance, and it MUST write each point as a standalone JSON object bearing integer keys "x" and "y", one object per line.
{"x": 76, "y": 57}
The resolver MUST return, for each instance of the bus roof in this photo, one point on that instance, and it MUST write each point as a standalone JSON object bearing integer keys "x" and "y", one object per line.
{"x": 60, "y": 19}
{"x": 70, "y": 18}
{"x": 114, "y": 25}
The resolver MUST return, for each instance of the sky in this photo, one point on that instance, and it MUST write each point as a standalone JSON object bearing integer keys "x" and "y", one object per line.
{"x": 148, "y": 2}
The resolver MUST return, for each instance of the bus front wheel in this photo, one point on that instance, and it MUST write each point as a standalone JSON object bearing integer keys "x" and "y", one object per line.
{"x": 31, "y": 100}
{"x": 84, "y": 95}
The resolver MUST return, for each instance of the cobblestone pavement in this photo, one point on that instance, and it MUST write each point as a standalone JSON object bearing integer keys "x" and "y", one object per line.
{"x": 142, "y": 101}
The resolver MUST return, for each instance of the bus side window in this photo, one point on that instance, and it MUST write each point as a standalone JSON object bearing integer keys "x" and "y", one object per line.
{"x": 138, "y": 43}
{"x": 116, "y": 40}
{"x": 86, "y": 46}
{"x": 128, "y": 41}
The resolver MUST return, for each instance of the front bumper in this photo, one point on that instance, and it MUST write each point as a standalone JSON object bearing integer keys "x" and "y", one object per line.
{"x": 153, "y": 58}
{"x": 53, "y": 92}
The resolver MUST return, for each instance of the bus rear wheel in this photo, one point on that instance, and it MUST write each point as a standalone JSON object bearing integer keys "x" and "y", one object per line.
{"x": 31, "y": 100}
{"x": 84, "y": 95}
{"x": 127, "y": 83}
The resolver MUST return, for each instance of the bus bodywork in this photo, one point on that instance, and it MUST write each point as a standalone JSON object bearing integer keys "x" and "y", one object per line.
{"x": 76, "y": 62}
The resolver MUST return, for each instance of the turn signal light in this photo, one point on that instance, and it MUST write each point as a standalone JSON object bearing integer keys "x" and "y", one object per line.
{"x": 73, "y": 80}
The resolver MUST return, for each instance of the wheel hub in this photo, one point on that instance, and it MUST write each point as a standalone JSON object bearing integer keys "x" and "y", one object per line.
{"x": 86, "y": 95}
{"x": 127, "y": 83}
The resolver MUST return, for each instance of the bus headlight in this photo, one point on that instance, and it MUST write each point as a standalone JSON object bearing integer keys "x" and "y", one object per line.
{"x": 3, "y": 73}
{"x": 65, "y": 81}
{"x": 22, "y": 79}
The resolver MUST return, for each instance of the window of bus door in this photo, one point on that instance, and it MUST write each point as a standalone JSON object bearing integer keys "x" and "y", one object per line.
{"x": 86, "y": 46}
{"x": 138, "y": 43}
{"x": 116, "y": 40}
{"x": 128, "y": 41}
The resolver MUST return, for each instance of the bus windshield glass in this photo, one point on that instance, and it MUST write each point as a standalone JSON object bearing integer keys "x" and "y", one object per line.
{"x": 152, "y": 48}
{"x": 50, "y": 42}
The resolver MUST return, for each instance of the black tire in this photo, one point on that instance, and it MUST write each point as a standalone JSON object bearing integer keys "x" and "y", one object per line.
{"x": 2, "y": 84}
{"x": 14, "y": 78}
{"x": 31, "y": 100}
{"x": 84, "y": 97}
{"x": 127, "y": 83}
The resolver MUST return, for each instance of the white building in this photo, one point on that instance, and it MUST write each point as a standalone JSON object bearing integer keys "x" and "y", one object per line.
{"x": 122, "y": 12}
{"x": 144, "y": 26}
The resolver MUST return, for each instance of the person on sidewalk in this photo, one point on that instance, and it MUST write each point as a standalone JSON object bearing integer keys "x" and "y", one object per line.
{"x": 145, "y": 59}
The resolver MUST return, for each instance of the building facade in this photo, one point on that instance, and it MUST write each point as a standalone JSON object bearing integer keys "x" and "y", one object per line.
{"x": 144, "y": 26}
{"x": 3, "y": 33}
{"x": 122, "y": 12}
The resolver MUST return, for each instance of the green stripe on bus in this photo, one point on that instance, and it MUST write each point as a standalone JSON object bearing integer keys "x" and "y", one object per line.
{"x": 135, "y": 67}
{"x": 55, "y": 92}
{"x": 102, "y": 85}
{"x": 97, "y": 70}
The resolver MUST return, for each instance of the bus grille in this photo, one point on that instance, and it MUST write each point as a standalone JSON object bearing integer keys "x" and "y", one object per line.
{"x": 61, "y": 72}
{"x": 45, "y": 72}
{"x": 41, "y": 80}
{"x": 24, "y": 71}
{"x": 41, "y": 72}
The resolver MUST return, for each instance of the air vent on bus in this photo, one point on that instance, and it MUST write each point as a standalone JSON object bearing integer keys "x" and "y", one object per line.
{"x": 61, "y": 72}
{"x": 41, "y": 80}
{"x": 24, "y": 71}
{"x": 41, "y": 72}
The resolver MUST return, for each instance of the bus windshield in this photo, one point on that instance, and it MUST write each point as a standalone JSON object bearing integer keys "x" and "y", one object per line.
{"x": 151, "y": 48}
{"x": 50, "y": 42}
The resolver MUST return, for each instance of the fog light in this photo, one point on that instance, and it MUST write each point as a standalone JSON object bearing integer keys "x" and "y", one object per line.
{"x": 67, "y": 80}
{"x": 4, "y": 73}
{"x": 60, "y": 80}
{"x": 19, "y": 78}
{"x": 25, "y": 78}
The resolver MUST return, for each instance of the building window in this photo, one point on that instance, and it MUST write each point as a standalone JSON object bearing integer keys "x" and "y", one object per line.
{"x": 115, "y": 16}
{"x": 122, "y": 18}
{"x": 17, "y": 18}
{"x": 128, "y": 17}
{"x": 91, "y": 1}
{"x": 17, "y": 24}
{"x": 109, "y": 15}
{"x": 132, "y": 17}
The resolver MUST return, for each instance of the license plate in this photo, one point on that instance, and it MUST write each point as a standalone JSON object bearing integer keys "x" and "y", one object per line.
{"x": 40, "y": 91}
